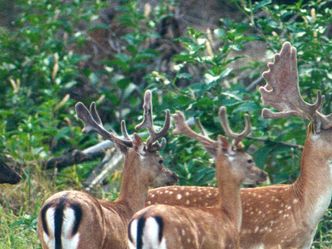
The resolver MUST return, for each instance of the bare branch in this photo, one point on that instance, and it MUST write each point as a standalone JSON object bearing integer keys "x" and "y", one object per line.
{"x": 78, "y": 156}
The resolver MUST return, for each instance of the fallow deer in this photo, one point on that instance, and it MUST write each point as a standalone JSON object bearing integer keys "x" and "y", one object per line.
{"x": 8, "y": 175}
{"x": 165, "y": 226}
{"x": 77, "y": 220}
{"x": 278, "y": 216}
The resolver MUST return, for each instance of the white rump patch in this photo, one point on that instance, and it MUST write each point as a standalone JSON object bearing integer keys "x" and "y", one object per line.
{"x": 49, "y": 239}
{"x": 133, "y": 232}
{"x": 151, "y": 234}
{"x": 69, "y": 241}
{"x": 131, "y": 245}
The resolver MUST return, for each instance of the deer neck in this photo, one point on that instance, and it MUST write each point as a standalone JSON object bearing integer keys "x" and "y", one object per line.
{"x": 314, "y": 185}
{"x": 133, "y": 191}
{"x": 229, "y": 194}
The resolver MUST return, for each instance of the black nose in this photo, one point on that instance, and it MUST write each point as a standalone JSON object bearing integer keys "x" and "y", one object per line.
{"x": 264, "y": 175}
{"x": 175, "y": 177}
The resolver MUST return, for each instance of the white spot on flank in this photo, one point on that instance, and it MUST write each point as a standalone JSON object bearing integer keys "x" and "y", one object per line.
{"x": 49, "y": 240}
{"x": 178, "y": 196}
{"x": 256, "y": 229}
{"x": 69, "y": 241}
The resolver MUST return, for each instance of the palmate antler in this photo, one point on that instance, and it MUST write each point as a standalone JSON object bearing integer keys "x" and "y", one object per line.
{"x": 181, "y": 127}
{"x": 283, "y": 93}
{"x": 152, "y": 142}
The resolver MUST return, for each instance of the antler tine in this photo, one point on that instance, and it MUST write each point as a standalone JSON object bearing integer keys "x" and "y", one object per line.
{"x": 124, "y": 130}
{"x": 282, "y": 88}
{"x": 92, "y": 121}
{"x": 94, "y": 113}
{"x": 237, "y": 137}
{"x": 154, "y": 136}
{"x": 147, "y": 116}
{"x": 181, "y": 127}
{"x": 148, "y": 120}
{"x": 200, "y": 127}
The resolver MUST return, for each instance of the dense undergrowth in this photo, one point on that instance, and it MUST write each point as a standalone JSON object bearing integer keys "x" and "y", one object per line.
{"x": 54, "y": 54}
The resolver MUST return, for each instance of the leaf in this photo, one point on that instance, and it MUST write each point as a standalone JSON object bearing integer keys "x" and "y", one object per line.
{"x": 261, "y": 4}
{"x": 247, "y": 106}
{"x": 262, "y": 154}
{"x": 231, "y": 95}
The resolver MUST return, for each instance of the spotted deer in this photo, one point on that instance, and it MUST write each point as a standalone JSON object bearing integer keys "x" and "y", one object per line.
{"x": 8, "y": 175}
{"x": 165, "y": 226}
{"x": 77, "y": 220}
{"x": 278, "y": 216}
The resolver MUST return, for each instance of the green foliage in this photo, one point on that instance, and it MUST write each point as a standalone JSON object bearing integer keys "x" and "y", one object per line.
{"x": 47, "y": 61}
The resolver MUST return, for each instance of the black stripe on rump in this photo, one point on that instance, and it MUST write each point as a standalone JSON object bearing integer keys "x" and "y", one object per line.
{"x": 140, "y": 228}
{"x": 160, "y": 222}
{"x": 78, "y": 217}
{"x": 43, "y": 217}
{"x": 58, "y": 221}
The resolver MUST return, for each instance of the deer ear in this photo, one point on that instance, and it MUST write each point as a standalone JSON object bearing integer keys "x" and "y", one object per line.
{"x": 138, "y": 144}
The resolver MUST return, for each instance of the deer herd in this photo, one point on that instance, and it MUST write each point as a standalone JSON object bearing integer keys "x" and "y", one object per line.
{"x": 189, "y": 217}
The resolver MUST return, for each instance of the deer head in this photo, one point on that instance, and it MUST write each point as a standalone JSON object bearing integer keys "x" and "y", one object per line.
{"x": 8, "y": 175}
{"x": 241, "y": 162}
{"x": 283, "y": 93}
{"x": 144, "y": 155}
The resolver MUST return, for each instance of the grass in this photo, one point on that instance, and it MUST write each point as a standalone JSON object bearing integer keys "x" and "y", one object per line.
{"x": 21, "y": 203}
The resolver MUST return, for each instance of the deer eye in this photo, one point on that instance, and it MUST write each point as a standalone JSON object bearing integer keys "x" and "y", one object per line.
{"x": 161, "y": 161}
{"x": 250, "y": 161}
